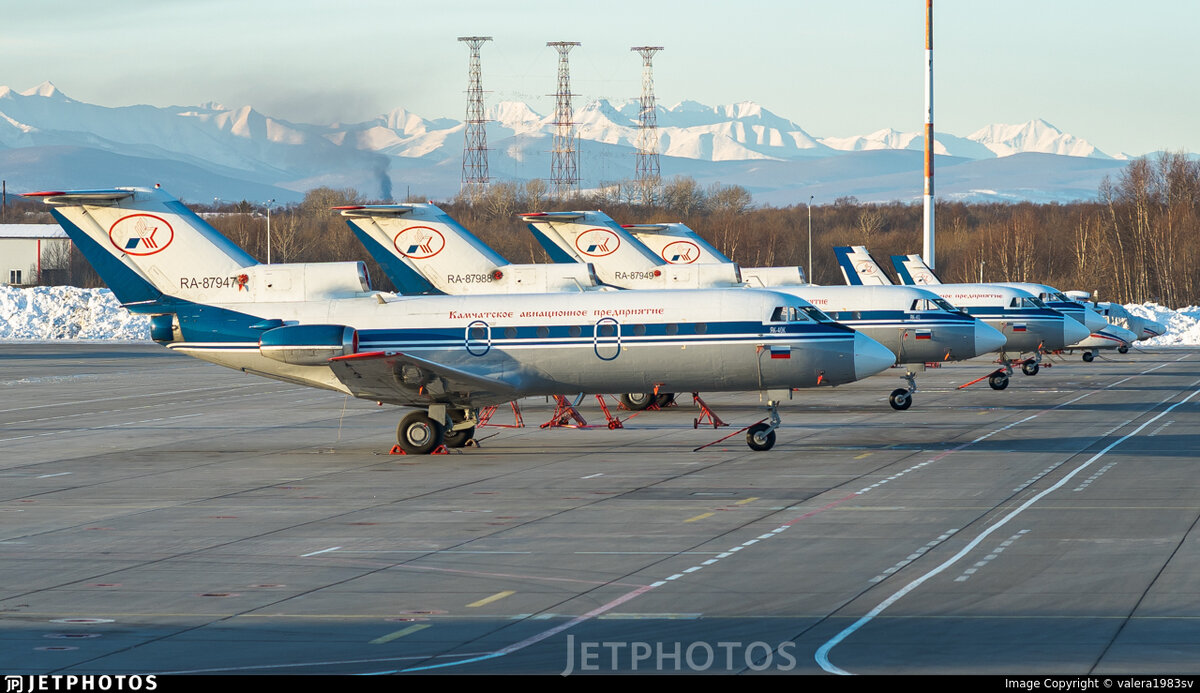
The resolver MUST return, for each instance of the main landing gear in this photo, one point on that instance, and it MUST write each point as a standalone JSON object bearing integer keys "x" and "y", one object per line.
{"x": 421, "y": 433}
{"x": 1089, "y": 356}
{"x": 640, "y": 401}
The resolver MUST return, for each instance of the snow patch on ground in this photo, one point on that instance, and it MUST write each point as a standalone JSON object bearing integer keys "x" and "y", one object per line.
{"x": 67, "y": 313}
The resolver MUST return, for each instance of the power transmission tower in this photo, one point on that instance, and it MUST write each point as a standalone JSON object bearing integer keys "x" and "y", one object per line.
{"x": 475, "y": 162}
{"x": 564, "y": 166}
{"x": 647, "y": 176}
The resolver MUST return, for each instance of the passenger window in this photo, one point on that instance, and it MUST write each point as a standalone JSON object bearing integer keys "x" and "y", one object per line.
{"x": 543, "y": 332}
{"x": 672, "y": 329}
{"x": 639, "y": 330}
{"x": 510, "y": 332}
{"x": 701, "y": 328}
{"x": 575, "y": 330}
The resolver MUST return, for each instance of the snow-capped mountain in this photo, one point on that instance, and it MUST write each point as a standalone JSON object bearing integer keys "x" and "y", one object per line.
{"x": 49, "y": 140}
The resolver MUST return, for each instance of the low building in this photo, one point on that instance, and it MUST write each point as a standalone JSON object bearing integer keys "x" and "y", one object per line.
{"x": 32, "y": 251}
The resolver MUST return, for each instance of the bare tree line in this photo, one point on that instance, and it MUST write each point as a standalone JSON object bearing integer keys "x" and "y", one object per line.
{"x": 1138, "y": 241}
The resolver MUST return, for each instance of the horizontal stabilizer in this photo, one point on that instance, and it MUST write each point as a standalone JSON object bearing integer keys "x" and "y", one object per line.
{"x": 75, "y": 197}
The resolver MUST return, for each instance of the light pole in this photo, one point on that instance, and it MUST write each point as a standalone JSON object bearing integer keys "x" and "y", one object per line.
{"x": 269, "y": 203}
{"x": 810, "y": 275}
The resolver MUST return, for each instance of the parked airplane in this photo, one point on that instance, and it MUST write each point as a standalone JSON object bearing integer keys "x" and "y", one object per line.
{"x": 1103, "y": 335}
{"x": 320, "y": 325}
{"x": 1117, "y": 314}
{"x": 1028, "y": 324}
{"x": 912, "y": 270}
{"x": 918, "y": 326}
{"x": 915, "y": 325}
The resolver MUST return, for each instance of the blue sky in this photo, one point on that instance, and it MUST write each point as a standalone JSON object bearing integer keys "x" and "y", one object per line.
{"x": 1118, "y": 74}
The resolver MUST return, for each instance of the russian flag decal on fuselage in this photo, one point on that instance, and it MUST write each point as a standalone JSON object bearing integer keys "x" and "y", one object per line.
{"x": 781, "y": 352}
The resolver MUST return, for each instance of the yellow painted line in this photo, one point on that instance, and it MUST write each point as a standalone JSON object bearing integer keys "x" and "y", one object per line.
{"x": 699, "y": 517}
{"x": 495, "y": 597}
{"x": 398, "y": 634}
{"x": 748, "y": 500}
{"x": 865, "y": 454}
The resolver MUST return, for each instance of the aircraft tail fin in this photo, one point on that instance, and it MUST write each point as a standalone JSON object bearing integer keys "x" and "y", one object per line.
{"x": 859, "y": 268}
{"x": 912, "y": 270}
{"x": 589, "y": 237}
{"x": 146, "y": 244}
{"x": 675, "y": 243}
{"x": 422, "y": 249}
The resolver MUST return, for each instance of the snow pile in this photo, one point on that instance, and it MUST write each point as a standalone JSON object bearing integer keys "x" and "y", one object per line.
{"x": 1183, "y": 325}
{"x": 67, "y": 312}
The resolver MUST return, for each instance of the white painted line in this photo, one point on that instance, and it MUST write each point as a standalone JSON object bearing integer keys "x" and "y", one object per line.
{"x": 316, "y": 553}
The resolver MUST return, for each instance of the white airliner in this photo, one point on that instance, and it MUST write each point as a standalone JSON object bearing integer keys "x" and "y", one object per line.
{"x": 915, "y": 325}
{"x": 319, "y": 324}
{"x": 912, "y": 270}
{"x": 1028, "y": 324}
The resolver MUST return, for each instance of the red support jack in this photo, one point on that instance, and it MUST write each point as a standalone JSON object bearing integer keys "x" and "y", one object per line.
{"x": 486, "y": 414}
{"x": 706, "y": 415}
{"x": 613, "y": 421}
{"x": 563, "y": 413}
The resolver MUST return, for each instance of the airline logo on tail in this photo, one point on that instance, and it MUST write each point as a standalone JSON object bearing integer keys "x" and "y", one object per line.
{"x": 141, "y": 234}
{"x": 681, "y": 252}
{"x": 597, "y": 242}
{"x": 419, "y": 242}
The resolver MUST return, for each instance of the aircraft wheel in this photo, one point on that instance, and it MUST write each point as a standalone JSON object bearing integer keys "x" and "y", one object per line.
{"x": 637, "y": 401}
{"x": 900, "y": 399}
{"x": 1123, "y": 349}
{"x": 418, "y": 434}
{"x": 1030, "y": 367}
{"x": 1088, "y": 356}
{"x": 664, "y": 399}
{"x": 457, "y": 439}
{"x": 998, "y": 381}
{"x": 758, "y": 440}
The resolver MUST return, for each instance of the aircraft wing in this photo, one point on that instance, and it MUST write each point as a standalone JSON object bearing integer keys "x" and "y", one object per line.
{"x": 398, "y": 378}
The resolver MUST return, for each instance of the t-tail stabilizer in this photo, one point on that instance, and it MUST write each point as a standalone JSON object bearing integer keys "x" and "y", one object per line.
{"x": 859, "y": 268}
{"x": 913, "y": 271}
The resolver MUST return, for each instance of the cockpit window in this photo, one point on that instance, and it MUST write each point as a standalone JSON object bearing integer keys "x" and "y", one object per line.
{"x": 947, "y": 306}
{"x": 816, "y": 314}
{"x": 933, "y": 304}
{"x": 798, "y": 314}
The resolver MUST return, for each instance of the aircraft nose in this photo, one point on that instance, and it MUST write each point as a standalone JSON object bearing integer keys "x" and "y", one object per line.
{"x": 1093, "y": 320}
{"x": 988, "y": 338}
{"x": 1073, "y": 332}
{"x": 1152, "y": 329}
{"x": 870, "y": 357}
